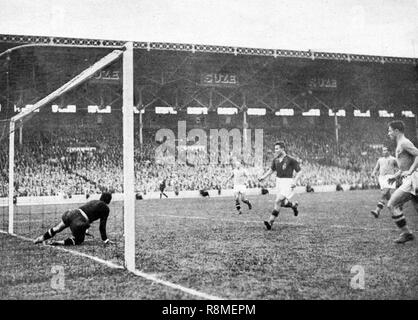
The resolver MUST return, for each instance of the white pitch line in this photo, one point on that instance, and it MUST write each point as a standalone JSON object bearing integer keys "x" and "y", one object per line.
{"x": 176, "y": 286}
{"x": 105, "y": 262}
{"x": 280, "y": 223}
{"x": 135, "y": 272}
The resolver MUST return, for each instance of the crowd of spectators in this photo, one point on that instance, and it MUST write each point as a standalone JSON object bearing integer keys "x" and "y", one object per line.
{"x": 86, "y": 158}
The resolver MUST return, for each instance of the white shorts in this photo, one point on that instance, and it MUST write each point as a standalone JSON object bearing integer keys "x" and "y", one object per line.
{"x": 410, "y": 184}
{"x": 240, "y": 188}
{"x": 283, "y": 187}
{"x": 384, "y": 184}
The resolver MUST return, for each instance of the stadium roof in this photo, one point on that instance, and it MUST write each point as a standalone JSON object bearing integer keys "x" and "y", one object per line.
{"x": 194, "y": 75}
{"x": 42, "y": 40}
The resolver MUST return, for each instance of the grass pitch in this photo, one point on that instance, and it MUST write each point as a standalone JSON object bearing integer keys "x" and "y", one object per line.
{"x": 204, "y": 245}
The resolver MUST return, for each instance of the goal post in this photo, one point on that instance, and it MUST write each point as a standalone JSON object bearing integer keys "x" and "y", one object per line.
{"x": 11, "y": 175}
{"x": 128, "y": 157}
{"x": 128, "y": 141}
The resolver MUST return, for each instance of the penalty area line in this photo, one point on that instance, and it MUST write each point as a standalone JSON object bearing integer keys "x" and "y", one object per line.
{"x": 136, "y": 272}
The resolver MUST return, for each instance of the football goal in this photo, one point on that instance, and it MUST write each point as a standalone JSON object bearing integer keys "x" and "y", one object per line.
{"x": 62, "y": 147}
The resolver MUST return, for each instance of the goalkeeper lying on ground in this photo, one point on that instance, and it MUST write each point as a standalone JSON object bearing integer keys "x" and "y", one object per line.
{"x": 79, "y": 220}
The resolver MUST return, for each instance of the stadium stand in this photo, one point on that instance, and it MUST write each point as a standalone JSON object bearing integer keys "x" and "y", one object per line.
{"x": 63, "y": 167}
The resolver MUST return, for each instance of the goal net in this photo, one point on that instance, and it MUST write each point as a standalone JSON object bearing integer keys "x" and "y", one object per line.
{"x": 66, "y": 136}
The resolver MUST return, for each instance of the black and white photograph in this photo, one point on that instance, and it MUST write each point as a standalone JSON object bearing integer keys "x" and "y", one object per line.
{"x": 205, "y": 151}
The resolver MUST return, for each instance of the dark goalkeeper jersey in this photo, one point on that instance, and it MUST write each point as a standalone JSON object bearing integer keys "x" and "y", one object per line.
{"x": 96, "y": 210}
{"x": 286, "y": 167}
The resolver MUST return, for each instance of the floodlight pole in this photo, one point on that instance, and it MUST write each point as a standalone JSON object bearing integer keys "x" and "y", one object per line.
{"x": 128, "y": 157}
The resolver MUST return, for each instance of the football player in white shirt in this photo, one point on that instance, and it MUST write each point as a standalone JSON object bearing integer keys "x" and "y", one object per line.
{"x": 240, "y": 176}
{"x": 387, "y": 167}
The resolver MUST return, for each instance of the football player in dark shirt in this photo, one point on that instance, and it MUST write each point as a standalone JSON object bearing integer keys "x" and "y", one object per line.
{"x": 285, "y": 167}
{"x": 407, "y": 160}
{"x": 162, "y": 188}
{"x": 79, "y": 220}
